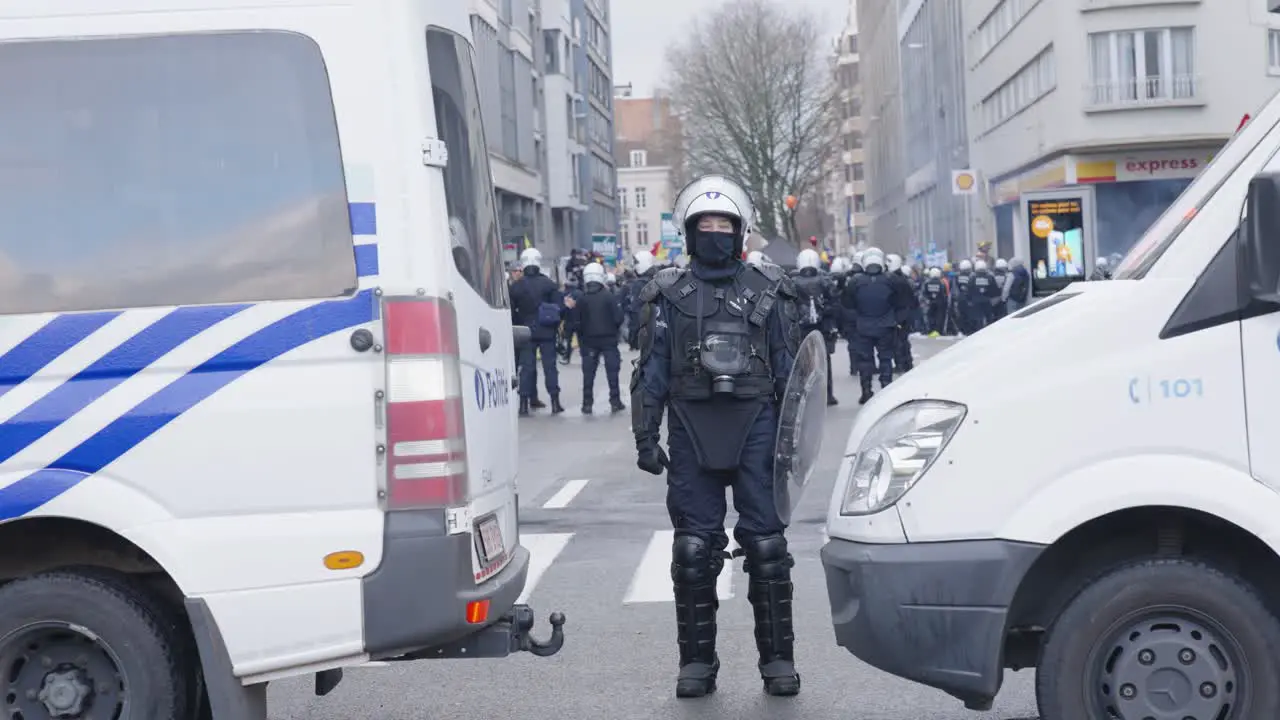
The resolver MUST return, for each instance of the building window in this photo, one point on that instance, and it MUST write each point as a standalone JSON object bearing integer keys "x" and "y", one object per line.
{"x": 639, "y": 158}
{"x": 1133, "y": 67}
{"x": 1273, "y": 51}
{"x": 859, "y": 203}
{"x": 999, "y": 23}
{"x": 625, "y": 232}
{"x": 622, "y": 199}
{"x": 642, "y": 234}
{"x": 1036, "y": 79}
{"x": 642, "y": 200}
{"x": 858, "y": 172}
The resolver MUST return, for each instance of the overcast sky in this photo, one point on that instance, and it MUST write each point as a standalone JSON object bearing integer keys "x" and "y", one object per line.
{"x": 643, "y": 28}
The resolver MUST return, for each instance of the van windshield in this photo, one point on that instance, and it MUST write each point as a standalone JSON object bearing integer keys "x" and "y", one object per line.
{"x": 468, "y": 185}
{"x": 1144, "y": 254}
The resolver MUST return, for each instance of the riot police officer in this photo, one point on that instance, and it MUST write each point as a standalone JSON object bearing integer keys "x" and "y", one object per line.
{"x": 537, "y": 303}
{"x": 1003, "y": 278}
{"x": 962, "y": 299}
{"x": 937, "y": 298}
{"x": 903, "y": 301}
{"x": 1101, "y": 269}
{"x": 645, "y": 269}
{"x": 874, "y": 301}
{"x": 717, "y": 344}
{"x": 817, "y": 307}
{"x": 986, "y": 294}
{"x": 599, "y": 318}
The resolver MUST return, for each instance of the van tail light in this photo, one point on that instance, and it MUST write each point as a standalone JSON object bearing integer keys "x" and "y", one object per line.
{"x": 426, "y": 443}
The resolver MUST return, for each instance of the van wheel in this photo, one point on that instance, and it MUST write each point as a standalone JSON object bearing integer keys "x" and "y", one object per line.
{"x": 76, "y": 646}
{"x": 1162, "y": 638}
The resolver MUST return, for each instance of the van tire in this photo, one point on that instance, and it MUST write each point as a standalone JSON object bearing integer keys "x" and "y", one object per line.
{"x": 125, "y": 623}
{"x": 1210, "y": 612}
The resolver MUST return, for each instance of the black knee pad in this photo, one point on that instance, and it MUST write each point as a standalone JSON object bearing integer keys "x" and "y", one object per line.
{"x": 767, "y": 557}
{"x": 694, "y": 560}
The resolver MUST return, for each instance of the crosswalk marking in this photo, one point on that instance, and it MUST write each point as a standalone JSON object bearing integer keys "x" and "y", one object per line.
{"x": 543, "y": 549}
{"x": 652, "y": 580}
{"x": 565, "y": 495}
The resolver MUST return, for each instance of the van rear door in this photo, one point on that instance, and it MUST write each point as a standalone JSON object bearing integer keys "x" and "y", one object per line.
{"x": 477, "y": 279}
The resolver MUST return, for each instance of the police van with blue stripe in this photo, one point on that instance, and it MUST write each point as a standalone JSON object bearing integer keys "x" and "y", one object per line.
{"x": 255, "y": 354}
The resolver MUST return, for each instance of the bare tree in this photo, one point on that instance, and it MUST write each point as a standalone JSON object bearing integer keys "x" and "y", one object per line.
{"x": 757, "y": 102}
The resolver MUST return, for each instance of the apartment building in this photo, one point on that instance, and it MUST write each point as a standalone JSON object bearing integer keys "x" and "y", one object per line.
{"x": 882, "y": 113}
{"x": 1106, "y": 109}
{"x": 846, "y": 198}
{"x": 645, "y": 148}
{"x": 593, "y": 81}
{"x": 568, "y": 191}
{"x": 507, "y": 66}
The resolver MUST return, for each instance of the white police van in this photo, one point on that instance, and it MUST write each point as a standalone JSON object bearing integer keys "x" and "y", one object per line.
{"x": 1090, "y": 487}
{"x": 255, "y": 353}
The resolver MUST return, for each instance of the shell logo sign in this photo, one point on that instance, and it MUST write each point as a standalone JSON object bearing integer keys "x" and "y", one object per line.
{"x": 1042, "y": 225}
{"x": 963, "y": 182}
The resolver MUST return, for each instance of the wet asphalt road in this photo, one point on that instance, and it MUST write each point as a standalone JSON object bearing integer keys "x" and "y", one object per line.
{"x": 598, "y": 532}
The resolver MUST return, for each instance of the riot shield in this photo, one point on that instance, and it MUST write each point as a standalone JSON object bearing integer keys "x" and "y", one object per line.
{"x": 801, "y": 416}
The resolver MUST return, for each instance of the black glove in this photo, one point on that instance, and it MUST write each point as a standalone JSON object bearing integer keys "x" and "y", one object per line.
{"x": 651, "y": 458}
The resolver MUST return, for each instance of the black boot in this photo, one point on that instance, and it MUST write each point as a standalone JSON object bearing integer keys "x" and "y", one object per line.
{"x": 769, "y": 566}
{"x": 536, "y": 404}
{"x": 524, "y": 407}
{"x": 587, "y": 402}
{"x": 615, "y": 405}
{"x": 866, "y": 390}
{"x": 556, "y": 407}
{"x": 694, "y": 568}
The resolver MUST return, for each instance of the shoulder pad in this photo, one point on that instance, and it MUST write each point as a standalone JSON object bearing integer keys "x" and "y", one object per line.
{"x": 771, "y": 271}
{"x": 664, "y": 280}
{"x": 787, "y": 287}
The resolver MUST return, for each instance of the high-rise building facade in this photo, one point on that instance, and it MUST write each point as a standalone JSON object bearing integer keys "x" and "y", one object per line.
{"x": 593, "y": 82}
{"x": 885, "y": 173}
{"x": 568, "y": 195}
{"x": 846, "y": 198}
{"x": 1116, "y": 102}
{"x": 508, "y": 71}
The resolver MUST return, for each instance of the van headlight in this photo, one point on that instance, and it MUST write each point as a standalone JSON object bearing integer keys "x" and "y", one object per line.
{"x": 896, "y": 452}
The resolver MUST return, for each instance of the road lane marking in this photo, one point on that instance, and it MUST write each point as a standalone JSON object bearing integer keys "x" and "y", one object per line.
{"x": 651, "y": 582}
{"x": 543, "y": 549}
{"x": 565, "y": 495}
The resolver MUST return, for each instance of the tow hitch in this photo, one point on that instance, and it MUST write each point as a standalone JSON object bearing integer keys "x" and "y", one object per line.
{"x": 511, "y": 634}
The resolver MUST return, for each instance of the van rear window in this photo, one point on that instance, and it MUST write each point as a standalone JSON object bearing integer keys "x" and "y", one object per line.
{"x": 169, "y": 170}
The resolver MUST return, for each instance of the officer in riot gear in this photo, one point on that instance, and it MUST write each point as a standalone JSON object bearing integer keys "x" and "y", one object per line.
{"x": 1101, "y": 269}
{"x": 986, "y": 294}
{"x": 963, "y": 298}
{"x": 873, "y": 299}
{"x": 903, "y": 302}
{"x": 937, "y": 298}
{"x": 717, "y": 344}
{"x": 1003, "y": 278}
{"x": 817, "y": 306}
{"x": 645, "y": 269}
{"x": 599, "y": 318}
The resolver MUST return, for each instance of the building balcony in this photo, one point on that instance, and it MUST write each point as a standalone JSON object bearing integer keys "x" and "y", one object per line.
{"x": 1154, "y": 92}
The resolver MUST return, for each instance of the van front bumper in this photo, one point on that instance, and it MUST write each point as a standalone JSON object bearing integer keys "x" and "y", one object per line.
{"x": 417, "y": 598}
{"x": 933, "y": 613}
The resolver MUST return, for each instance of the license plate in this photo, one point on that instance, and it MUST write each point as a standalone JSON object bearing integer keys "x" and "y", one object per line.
{"x": 490, "y": 538}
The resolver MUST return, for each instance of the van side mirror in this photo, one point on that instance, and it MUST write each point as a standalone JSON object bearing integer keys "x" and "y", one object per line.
{"x": 522, "y": 335}
{"x": 1260, "y": 240}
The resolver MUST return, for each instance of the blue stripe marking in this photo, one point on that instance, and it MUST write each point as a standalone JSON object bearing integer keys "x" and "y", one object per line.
{"x": 366, "y": 260}
{"x": 48, "y": 343}
{"x": 126, "y": 432}
{"x": 126, "y": 360}
{"x": 364, "y": 218}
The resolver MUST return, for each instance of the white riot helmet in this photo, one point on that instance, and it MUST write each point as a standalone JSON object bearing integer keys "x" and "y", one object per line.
{"x": 756, "y": 258}
{"x": 713, "y": 195}
{"x": 840, "y": 265}
{"x": 1017, "y": 262}
{"x": 808, "y": 258}
{"x": 935, "y": 273}
{"x": 980, "y": 266}
{"x": 893, "y": 262}
{"x": 644, "y": 261}
{"x": 966, "y": 265}
{"x": 610, "y": 279}
{"x": 872, "y": 257}
{"x": 1101, "y": 262}
{"x": 857, "y": 257}
{"x": 531, "y": 258}
{"x": 1002, "y": 264}
{"x": 593, "y": 273}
